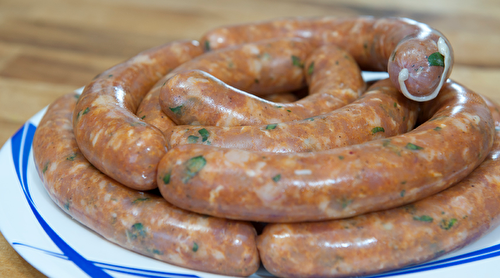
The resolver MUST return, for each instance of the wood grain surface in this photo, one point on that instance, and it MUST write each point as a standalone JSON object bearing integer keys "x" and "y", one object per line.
{"x": 51, "y": 47}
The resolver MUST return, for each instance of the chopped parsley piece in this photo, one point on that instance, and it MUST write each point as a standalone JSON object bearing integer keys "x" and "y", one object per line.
{"x": 192, "y": 139}
{"x": 310, "y": 69}
{"x": 423, "y": 218}
{"x": 66, "y": 206}
{"x": 45, "y": 167}
{"x": 256, "y": 81}
{"x": 437, "y": 128}
{"x": 411, "y": 146}
{"x": 166, "y": 178}
{"x": 310, "y": 119}
{"x": 142, "y": 118}
{"x": 277, "y": 178}
{"x": 138, "y": 200}
{"x": 403, "y": 192}
{"x": 195, "y": 247}
{"x": 278, "y": 106}
{"x": 109, "y": 76}
{"x": 377, "y": 129}
{"x": 207, "y": 45}
{"x": 137, "y": 123}
{"x": 341, "y": 157}
{"x": 271, "y": 126}
{"x": 436, "y": 59}
{"x": 136, "y": 231}
{"x": 85, "y": 111}
{"x": 445, "y": 224}
{"x": 296, "y": 61}
{"x": 71, "y": 157}
{"x": 204, "y": 134}
{"x": 77, "y": 96}
{"x": 176, "y": 110}
{"x": 157, "y": 252}
{"x": 289, "y": 110}
{"x": 345, "y": 202}
{"x": 193, "y": 166}
{"x": 395, "y": 105}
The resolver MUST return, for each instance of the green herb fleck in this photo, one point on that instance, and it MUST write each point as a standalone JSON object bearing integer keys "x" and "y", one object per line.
{"x": 445, "y": 224}
{"x": 395, "y": 105}
{"x": 289, "y": 110}
{"x": 256, "y": 81}
{"x": 207, "y": 45}
{"x": 71, "y": 157}
{"x": 341, "y": 157}
{"x": 138, "y": 200}
{"x": 277, "y": 178}
{"x": 142, "y": 118}
{"x": 45, "y": 167}
{"x": 403, "y": 192}
{"x": 230, "y": 65}
{"x": 85, "y": 111}
{"x": 345, "y": 202}
{"x": 204, "y": 134}
{"x": 193, "y": 166}
{"x": 365, "y": 45}
{"x": 157, "y": 252}
{"x": 296, "y": 61}
{"x": 414, "y": 147}
{"x": 66, "y": 206}
{"x": 166, "y": 178}
{"x": 271, "y": 126}
{"x": 195, "y": 247}
{"x": 176, "y": 110}
{"x": 192, "y": 139}
{"x": 77, "y": 96}
{"x": 423, "y": 218}
{"x": 377, "y": 129}
{"x": 136, "y": 231}
{"x": 309, "y": 119}
{"x": 437, "y": 128}
{"x": 310, "y": 69}
{"x": 278, "y": 106}
{"x": 436, "y": 59}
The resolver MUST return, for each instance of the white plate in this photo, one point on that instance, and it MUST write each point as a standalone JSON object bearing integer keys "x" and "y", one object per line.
{"x": 56, "y": 245}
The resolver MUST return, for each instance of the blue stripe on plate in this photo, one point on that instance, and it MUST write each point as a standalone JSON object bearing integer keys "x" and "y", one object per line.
{"x": 21, "y": 146}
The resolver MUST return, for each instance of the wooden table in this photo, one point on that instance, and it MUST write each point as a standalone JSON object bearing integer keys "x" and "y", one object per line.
{"x": 51, "y": 47}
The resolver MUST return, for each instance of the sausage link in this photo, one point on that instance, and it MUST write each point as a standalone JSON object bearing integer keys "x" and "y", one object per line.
{"x": 390, "y": 239}
{"x": 418, "y": 58}
{"x": 142, "y": 222}
{"x": 197, "y": 98}
{"x": 108, "y": 133}
{"x": 338, "y": 183}
{"x": 380, "y": 113}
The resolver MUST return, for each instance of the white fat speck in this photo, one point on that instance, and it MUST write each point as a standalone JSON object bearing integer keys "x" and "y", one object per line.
{"x": 77, "y": 167}
{"x": 303, "y": 172}
{"x": 102, "y": 184}
{"x": 250, "y": 173}
{"x": 53, "y": 166}
{"x": 268, "y": 192}
{"x": 178, "y": 162}
{"x": 460, "y": 125}
{"x": 219, "y": 256}
{"x": 215, "y": 193}
{"x": 251, "y": 48}
{"x": 107, "y": 197}
{"x": 237, "y": 156}
{"x": 335, "y": 33}
{"x": 387, "y": 226}
{"x": 323, "y": 205}
{"x": 96, "y": 137}
{"x": 435, "y": 174}
{"x": 135, "y": 211}
{"x": 114, "y": 215}
{"x": 141, "y": 59}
